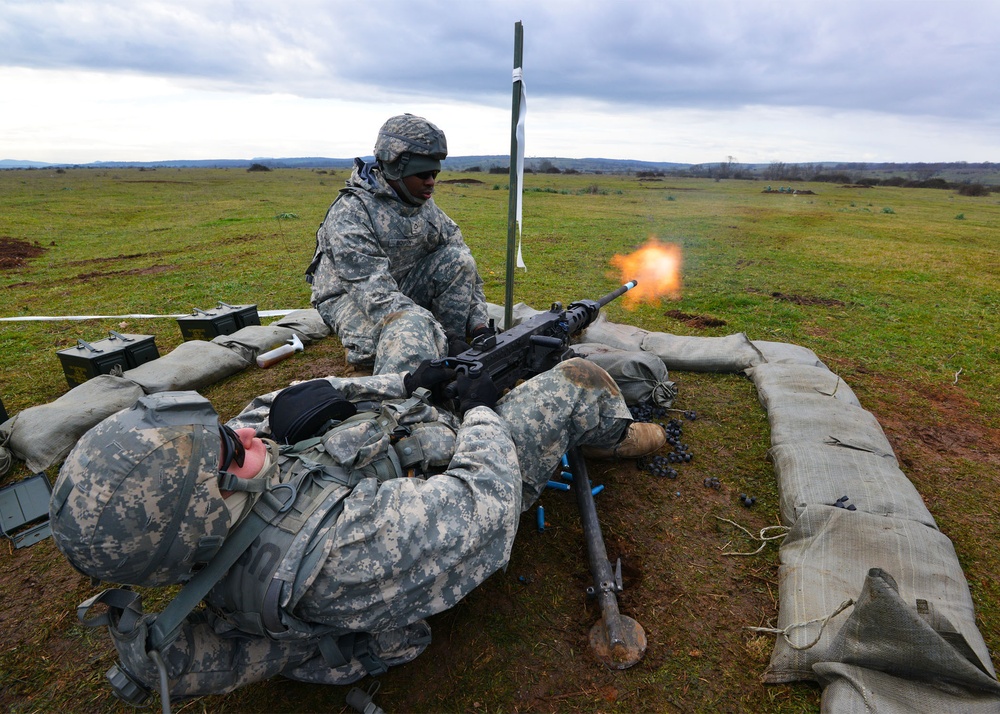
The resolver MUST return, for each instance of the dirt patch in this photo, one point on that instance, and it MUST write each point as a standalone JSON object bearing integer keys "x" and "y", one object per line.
{"x": 15, "y": 253}
{"x": 695, "y": 321}
{"x": 462, "y": 180}
{"x": 121, "y": 256}
{"x": 791, "y": 192}
{"x": 151, "y": 270}
{"x": 801, "y": 299}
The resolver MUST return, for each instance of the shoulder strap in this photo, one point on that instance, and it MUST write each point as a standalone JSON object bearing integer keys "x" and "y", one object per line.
{"x": 168, "y": 623}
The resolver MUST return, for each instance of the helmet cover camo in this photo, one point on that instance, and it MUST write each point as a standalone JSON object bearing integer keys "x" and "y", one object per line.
{"x": 137, "y": 500}
{"x": 405, "y": 135}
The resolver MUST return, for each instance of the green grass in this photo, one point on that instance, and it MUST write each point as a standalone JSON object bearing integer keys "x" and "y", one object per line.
{"x": 902, "y": 304}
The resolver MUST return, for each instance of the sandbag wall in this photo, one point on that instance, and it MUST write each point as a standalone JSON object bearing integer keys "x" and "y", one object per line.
{"x": 873, "y": 604}
{"x": 43, "y": 435}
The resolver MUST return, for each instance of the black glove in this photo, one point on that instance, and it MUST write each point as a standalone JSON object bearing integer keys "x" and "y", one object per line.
{"x": 476, "y": 392}
{"x": 482, "y": 330}
{"x": 457, "y": 346}
{"x": 429, "y": 376}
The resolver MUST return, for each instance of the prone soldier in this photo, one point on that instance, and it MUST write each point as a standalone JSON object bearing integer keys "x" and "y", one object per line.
{"x": 320, "y": 556}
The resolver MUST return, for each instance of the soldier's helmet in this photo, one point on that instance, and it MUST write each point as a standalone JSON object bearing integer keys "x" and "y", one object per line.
{"x": 404, "y": 137}
{"x": 137, "y": 500}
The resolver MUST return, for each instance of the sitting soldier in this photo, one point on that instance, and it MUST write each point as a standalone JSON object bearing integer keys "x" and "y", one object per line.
{"x": 392, "y": 275}
{"x": 319, "y": 559}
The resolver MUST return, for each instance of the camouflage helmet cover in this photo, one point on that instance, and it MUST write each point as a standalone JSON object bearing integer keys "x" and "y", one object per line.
{"x": 408, "y": 134}
{"x": 137, "y": 500}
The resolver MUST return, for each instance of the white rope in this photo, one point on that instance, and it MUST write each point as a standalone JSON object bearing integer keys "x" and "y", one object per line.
{"x": 763, "y": 537}
{"x": 785, "y": 631}
{"x": 132, "y": 316}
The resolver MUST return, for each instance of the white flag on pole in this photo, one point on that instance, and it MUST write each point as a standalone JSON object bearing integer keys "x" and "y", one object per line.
{"x": 523, "y": 109}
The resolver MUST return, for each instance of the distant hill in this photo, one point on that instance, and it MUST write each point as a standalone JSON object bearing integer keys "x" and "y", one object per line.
{"x": 939, "y": 175}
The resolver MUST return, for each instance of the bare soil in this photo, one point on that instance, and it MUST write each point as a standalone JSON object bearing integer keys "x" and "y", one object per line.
{"x": 14, "y": 252}
{"x": 695, "y": 321}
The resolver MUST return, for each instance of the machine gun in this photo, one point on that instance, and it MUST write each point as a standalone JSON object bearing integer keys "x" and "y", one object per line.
{"x": 531, "y": 347}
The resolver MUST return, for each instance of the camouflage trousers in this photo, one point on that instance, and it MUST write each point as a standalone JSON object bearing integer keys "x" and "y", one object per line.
{"x": 442, "y": 288}
{"x": 573, "y": 404}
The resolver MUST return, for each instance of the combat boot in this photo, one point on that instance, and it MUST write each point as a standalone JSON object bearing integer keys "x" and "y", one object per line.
{"x": 641, "y": 439}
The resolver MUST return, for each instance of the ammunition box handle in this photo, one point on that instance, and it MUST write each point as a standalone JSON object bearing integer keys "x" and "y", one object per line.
{"x": 81, "y": 344}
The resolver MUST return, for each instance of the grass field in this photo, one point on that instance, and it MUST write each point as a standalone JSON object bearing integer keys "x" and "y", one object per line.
{"x": 896, "y": 290}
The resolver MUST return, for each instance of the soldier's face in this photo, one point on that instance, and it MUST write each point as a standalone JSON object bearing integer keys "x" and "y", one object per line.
{"x": 255, "y": 455}
{"x": 421, "y": 185}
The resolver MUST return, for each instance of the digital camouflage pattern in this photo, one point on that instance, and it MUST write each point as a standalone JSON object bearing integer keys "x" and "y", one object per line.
{"x": 407, "y": 134}
{"x": 137, "y": 500}
{"x": 401, "y": 549}
{"x": 378, "y": 257}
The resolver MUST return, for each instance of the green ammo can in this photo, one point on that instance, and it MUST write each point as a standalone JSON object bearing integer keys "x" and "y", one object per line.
{"x": 222, "y": 320}
{"x": 87, "y": 360}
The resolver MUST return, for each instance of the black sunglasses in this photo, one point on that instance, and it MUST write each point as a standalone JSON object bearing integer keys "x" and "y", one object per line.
{"x": 232, "y": 448}
{"x": 424, "y": 175}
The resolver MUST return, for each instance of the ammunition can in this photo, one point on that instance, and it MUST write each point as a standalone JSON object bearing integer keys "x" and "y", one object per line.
{"x": 222, "y": 320}
{"x": 87, "y": 360}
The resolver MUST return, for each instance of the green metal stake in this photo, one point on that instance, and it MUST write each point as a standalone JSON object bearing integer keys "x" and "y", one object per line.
{"x": 508, "y": 310}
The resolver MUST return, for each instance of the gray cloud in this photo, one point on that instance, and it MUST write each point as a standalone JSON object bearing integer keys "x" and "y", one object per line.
{"x": 907, "y": 57}
{"x": 860, "y": 74}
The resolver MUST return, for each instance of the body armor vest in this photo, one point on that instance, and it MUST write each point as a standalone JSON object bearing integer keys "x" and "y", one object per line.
{"x": 407, "y": 438}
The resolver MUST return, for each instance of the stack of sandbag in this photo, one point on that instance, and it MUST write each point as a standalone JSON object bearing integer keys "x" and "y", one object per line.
{"x": 873, "y": 604}
{"x": 43, "y": 435}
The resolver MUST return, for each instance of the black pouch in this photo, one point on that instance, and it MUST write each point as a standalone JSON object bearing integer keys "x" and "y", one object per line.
{"x": 300, "y": 411}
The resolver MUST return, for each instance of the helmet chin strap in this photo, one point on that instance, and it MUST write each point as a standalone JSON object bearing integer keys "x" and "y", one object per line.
{"x": 404, "y": 193}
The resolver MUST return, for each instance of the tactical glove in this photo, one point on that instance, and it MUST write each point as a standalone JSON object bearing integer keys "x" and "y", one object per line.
{"x": 476, "y": 392}
{"x": 482, "y": 330}
{"x": 429, "y": 376}
{"x": 457, "y": 346}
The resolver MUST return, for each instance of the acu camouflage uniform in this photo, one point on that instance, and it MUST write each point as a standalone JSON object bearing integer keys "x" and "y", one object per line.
{"x": 394, "y": 282}
{"x": 379, "y": 557}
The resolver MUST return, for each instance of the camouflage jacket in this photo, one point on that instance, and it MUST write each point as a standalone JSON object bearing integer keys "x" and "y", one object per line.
{"x": 403, "y": 548}
{"x": 370, "y": 240}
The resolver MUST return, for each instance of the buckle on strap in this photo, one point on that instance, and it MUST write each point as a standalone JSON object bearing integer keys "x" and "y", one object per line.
{"x": 127, "y": 603}
{"x": 269, "y": 500}
{"x": 339, "y": 651}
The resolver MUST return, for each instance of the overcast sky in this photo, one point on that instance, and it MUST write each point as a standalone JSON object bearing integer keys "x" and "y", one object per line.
{"x": 662, "y": 80}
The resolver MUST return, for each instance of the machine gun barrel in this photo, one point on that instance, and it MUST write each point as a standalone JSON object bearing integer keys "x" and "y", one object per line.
{"x": 617, "y": 293}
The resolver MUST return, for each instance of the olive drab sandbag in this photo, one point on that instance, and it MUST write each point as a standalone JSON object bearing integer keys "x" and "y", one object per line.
{"x": 308, "y": 324}
{"x": 814, "y": 474}
{"x": 732, "y": 353}
{"x": 887, "y": 634}
{"x": 785, "y": 353}
{"x": 825, "y": 559}
{"x": 190, "y": 366}
{"x": 252, "y": 340}
{"x": 624, "y": 337}
{"x": 779, "y": 383}
{"x": 641, "y": 376}
{"x": 832, "y": 423}
{"x": 41, "y": 436}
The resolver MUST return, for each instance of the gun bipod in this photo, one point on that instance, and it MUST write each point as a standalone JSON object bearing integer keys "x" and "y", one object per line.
{"x": 616, "y": 639}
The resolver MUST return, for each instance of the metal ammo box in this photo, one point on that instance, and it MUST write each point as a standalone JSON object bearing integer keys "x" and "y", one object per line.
{"x": 223, "y": 320}
{"x": 88, "y": 360}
